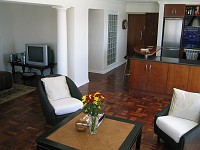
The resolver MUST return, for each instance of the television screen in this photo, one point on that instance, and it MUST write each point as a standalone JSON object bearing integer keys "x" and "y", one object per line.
{"x": 35, "y": 53}
{"x": 39, "y": 54}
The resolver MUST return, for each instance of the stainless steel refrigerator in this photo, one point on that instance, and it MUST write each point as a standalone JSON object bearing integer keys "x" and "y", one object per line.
{"x": 172, "y": 37}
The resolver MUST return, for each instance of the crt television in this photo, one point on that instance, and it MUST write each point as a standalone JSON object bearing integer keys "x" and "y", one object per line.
{"x": 39, "y": 54}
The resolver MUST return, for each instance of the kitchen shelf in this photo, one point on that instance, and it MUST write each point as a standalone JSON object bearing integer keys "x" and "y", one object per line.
{"x": 192, "y": 15}
{"x": 192, "y": 10}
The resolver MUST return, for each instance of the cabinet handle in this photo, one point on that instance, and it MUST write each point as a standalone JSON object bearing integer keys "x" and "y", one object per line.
{"x": 141, "y": 35}
{"x": 174, "y": 11}
{"x": 149, "y": 67}
{"x": 146, "y": 67}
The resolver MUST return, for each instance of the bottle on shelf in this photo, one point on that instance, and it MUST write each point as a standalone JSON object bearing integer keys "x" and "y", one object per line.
{"x": 197, "y": 10}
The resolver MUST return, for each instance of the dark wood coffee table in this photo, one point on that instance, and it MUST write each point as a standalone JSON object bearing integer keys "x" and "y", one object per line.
{"x": 113, "y": 133}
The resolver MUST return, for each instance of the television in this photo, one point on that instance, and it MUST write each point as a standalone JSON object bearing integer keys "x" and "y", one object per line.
{"x": 39, "y": 54}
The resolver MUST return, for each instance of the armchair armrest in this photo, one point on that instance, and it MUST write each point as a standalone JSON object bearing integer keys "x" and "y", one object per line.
{"x": 163, "y": 112}
{"x": 47, "y": 108}
{"x": 74, "y": 91}
{"x": 191, "y": 139}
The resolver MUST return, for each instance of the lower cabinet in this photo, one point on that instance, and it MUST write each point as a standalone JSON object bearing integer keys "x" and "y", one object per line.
{"x": 146, "y": 75}
{"x": 156, "y": 80}
{"x": 161, "y": 78}
{"x": 194, "y": 79}
{"x": 177, "y": 77}
{"x": 138, "y": 74}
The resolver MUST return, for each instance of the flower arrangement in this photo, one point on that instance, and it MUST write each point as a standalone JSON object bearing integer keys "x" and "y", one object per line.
{"x": 93, "y": 103}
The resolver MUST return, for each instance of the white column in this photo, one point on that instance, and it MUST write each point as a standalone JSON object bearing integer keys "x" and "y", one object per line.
{"x": 62, "y": 66}
{"x": 160, "y": 26}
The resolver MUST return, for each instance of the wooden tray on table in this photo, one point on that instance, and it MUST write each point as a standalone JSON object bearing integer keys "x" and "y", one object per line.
{"x": 147, "y": 50}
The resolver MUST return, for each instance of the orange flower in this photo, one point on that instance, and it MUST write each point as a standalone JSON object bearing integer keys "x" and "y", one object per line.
{"x": 93, "y": 103}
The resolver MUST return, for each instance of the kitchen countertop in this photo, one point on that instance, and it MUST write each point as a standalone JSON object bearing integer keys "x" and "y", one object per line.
{"x": 167, "y": 60}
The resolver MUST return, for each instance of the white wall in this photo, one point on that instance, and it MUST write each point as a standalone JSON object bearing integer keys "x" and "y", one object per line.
{"x": 142, "y": 7}
{"x": 33, "y": 24}
{"x": 96, "y": 40}
{"x": 27, "y": 24}
{"x": 118, "y": 8}
{"x": 43, "y": 2}
{"x": 6, "y": 36}
{"x": 78, "y": 66}
{"x": 121, "y": 41}
{"x": 70, "y": 42}
{"x": 80, "y": 61}
{"x": 78, "y": 45}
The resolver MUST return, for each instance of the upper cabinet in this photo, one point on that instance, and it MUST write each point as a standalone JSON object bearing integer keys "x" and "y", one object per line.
{"x": 174, "y": 10}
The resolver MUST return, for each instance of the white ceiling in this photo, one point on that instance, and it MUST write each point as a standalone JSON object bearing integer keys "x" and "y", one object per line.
{"x": 138, "y": 1}
{"x": 146, "y": 1}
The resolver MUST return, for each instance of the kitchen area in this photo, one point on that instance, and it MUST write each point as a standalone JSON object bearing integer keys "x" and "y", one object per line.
{"x": 178, "y": 65}
{"x": 181, "y": 31}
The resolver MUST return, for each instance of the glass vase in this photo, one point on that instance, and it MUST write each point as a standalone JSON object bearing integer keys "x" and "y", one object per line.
{"x": 93, "y": 124}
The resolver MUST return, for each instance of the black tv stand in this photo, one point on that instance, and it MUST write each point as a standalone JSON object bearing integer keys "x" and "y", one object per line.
{"x": 41, "y": 68}
{"x": 28, "y": 75}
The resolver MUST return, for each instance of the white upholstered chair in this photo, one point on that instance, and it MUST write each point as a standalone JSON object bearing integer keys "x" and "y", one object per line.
{"x": 59, "y": 97}
{"x": 178, "y": 123}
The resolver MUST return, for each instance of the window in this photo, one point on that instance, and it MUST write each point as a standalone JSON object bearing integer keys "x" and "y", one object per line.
{"x": 112, "y": 39}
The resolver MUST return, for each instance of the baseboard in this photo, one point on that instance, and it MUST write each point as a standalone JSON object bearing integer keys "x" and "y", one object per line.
{"x": 82, "y": 83}
{"x": 108, "y": 69}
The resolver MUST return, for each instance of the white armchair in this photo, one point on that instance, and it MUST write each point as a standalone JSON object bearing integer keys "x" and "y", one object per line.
{"x": 178, "y": 123}
{"x": 59, "y": 97}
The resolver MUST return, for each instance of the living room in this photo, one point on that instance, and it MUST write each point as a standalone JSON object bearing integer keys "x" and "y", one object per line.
{"x": 36, "y": 22}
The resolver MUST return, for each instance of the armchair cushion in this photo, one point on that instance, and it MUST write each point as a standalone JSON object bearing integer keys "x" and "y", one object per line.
{"x": 56, "y": 88}
{"x": 66, "y": 105}
{"x": 185, "y": 105}
{"x": 175, "y": 127}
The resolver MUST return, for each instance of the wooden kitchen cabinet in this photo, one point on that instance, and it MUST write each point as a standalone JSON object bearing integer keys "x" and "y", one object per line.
{"x": 177, "y": 77}
{"x": 157, "y": 77}
{"x": 151, "y": 29}
{"x": 142, "y": 30}
{"x": 174, "y": 10}
{"x": 194, "y": 79}
{"x": 136, "y": 27}
{"x": 160, "y": 77}
{"x": 138, "y": 74}
{"x": 148, "y": 76}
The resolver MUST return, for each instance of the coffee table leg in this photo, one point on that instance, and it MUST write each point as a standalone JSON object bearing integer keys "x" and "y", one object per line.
{"x": 138, "y": 140}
